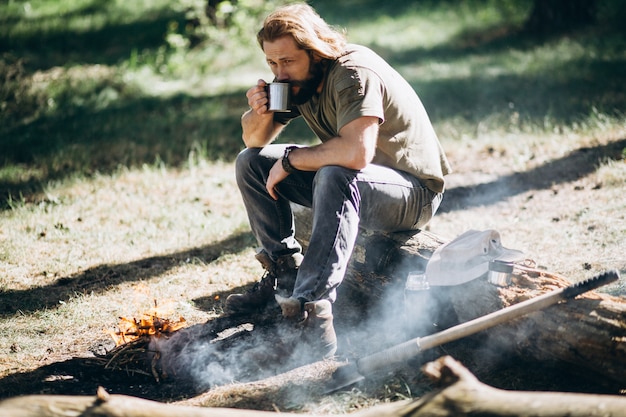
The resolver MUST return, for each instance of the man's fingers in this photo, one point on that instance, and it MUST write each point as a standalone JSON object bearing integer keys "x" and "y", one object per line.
{"x": 272, "y": 192}
{"x": 276, "y": 175}
{"x": 257, "y": 98}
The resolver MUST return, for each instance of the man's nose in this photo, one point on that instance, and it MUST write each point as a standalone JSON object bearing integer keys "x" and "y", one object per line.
{"x": 281, "y": 75}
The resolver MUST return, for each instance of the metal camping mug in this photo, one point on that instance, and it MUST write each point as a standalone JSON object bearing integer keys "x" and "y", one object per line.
{"x": 278, "y": 97}
{"x": 500, "y": 273}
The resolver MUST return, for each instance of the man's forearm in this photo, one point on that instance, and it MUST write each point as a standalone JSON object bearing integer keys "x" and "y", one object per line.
{"x": 354, "y": 149}
{"x": 259, "y": 130}
{"x": 311, "y": 158}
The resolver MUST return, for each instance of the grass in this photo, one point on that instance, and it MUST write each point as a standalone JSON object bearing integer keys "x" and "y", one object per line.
{"x": 72, "y": 267}
{"x": 116, "y": 151}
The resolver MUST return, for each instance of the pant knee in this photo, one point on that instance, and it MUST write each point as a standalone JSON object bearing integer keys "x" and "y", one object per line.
{"x": 245, "y": 163}
{"x": 332, "y": 176}
{"x": 335, "y": 184}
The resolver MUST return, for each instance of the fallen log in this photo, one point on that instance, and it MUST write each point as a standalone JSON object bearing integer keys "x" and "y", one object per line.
{"x": 586, "y": 336}
{"x": 459, "y": 394}
{"x": 462, "y": 394}
{"x": 379, "y": 260}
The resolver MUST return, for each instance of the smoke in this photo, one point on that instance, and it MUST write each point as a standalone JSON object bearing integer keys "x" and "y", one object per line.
{"x": 187, "y": 356}
{"x": 196, "y": 357}
{"x": 398, "y": 315}
{"x": 248, "y": 352}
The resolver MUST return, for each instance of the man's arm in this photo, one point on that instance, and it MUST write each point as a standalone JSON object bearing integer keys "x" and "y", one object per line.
{"x": 258, "y": 125}
{"x": 354, "y": 148}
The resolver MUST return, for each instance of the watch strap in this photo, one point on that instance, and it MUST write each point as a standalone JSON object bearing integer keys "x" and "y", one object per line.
{"x": 285, "y": 161}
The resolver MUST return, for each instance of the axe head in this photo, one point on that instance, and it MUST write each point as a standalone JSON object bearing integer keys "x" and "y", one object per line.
{"x": 344, "y": 377}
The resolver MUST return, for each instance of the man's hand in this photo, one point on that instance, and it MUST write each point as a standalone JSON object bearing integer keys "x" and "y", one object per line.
{"x": 257, "y": 98}
{"x": 276, "y": 175}
{"x": 257, "y": 123}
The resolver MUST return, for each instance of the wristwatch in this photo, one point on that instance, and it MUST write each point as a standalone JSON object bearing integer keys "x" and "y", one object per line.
{"x": 286, "y": 164}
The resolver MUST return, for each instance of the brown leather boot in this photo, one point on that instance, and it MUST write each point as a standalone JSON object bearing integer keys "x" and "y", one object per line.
{"x": 313, "y": 336}
{"x": 286, "y": 270}
{"x": 280, "y": 273}
{"x": 319, "y": 332}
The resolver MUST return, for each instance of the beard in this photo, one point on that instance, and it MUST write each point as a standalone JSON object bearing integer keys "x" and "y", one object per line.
{"x": 308, "y": 87}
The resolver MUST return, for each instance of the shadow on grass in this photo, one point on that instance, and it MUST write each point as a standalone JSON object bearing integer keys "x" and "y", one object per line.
{"x": 43, "y": 48}
{"x": 561, "y": 94}
{"x": 83, "y": 376}
{"x": 571, "y": 167}
{"x": 490, "y": 102}
{"x": 129, "y": 132}
{"x": 346, "y": 11}
{"x": 101, "y": 278}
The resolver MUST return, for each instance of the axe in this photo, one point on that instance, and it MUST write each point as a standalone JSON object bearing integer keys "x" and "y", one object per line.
{"x": 351, "y": 373}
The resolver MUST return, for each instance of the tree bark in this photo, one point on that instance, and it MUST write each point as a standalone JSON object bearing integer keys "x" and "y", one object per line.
{"x": 464, "y": 395}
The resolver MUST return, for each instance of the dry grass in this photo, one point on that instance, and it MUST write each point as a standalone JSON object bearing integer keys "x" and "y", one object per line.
{"x": 145, "y": 235}
{"x": 559, "y": 197}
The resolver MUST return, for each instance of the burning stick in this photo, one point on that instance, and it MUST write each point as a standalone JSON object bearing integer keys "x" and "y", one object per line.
{"x": 128, "y": 357}
{"x": 149, "y": 325}
{"x": 132, "y": 339}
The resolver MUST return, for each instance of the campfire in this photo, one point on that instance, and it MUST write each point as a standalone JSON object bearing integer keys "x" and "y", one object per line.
{"x": 132, "y": 339}
{"x": 130, "y": 330}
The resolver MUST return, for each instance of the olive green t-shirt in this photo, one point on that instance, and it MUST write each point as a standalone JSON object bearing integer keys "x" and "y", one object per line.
{"x": 360, "y": 83}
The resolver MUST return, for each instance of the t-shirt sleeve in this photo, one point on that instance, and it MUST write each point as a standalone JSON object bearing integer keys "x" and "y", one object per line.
{"x": 358, "y": 93}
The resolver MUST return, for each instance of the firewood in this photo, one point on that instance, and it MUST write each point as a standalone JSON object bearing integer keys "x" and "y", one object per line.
{"x": 459, "y": 394}
{"x": 464, "y": 395}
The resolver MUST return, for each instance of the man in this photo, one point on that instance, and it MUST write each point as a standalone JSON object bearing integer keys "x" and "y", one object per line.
{"x": 379, "y": 165}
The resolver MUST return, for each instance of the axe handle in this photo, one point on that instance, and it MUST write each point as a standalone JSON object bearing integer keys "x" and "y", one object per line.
{"x": 413, "y": 347}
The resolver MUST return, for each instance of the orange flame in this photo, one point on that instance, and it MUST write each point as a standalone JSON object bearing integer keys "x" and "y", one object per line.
{"x": 148, "y": 325}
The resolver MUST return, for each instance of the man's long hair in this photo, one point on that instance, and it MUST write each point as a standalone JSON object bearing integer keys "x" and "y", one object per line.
{"x": 307, "y": 28}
